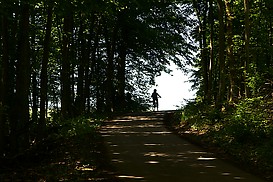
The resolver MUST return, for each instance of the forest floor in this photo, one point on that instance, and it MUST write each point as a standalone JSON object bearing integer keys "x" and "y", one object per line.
{"x": 79, "y": 158}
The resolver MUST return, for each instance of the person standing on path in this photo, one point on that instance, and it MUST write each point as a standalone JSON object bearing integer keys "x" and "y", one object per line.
{"x": 155, "y": 96}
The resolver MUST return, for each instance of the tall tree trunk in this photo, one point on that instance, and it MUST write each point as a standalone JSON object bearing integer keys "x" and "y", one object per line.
{"x": 95, "y": 73}
{"x": 22, "y": 83}
{"x": 204, "y": 55}
{"x": 80, "y": 100}
{"x": 89, "y": 69}
{"x": 44, "y": 75}
{"x": 3, "y": 84}
{"x": 34, "y": 81}
{"x": 122, "y": 60}
{"x": 247, "y": 38}
{"x": 34, "y": 116}
{"x": 231, "y": 60}
{"x": 90, "y": 62}
{"x": 211, "y": 57}
{"x": 121, "y": 76}
{"x": 9, "y": 39}
{"x": 221, "y": 56}
{"x": 110, "y": 44}
{"x": 66, "y": 100}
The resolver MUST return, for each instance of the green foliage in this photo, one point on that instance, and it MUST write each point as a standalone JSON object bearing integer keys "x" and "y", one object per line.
{"x": 73, "y": 127}
{"x": 243, "y": 130}
{"x": 249, "y": 121}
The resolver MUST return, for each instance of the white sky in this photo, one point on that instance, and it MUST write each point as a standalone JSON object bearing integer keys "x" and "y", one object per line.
{"x": 173, "y": 89}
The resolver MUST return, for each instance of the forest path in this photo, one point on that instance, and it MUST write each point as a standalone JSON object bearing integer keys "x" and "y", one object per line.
{"x": 142, "y": 149}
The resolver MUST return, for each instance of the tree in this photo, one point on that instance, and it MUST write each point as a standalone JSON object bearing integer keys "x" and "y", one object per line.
{"x": 221, "y": 54}
{"x": 66, "y": 96}
{"x": 20, "y": 122}
{"x": 230, "y": 56}
{"x": 44, "y": 70}
{"x": 247, "y": 38}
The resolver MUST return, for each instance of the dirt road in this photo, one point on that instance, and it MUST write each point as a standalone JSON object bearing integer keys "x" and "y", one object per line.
{"x": 142, "y": 149}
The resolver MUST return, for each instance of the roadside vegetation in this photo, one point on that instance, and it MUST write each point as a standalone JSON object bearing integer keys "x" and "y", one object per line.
{"x": 242, "y": 133}
{"x": 73, "y": 151}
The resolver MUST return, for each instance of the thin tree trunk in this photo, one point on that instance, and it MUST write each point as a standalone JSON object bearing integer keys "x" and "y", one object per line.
{"x": 247, "y": 37}
{"x": 34, "y": 82}
{"x": 88, "y": 73}
{"x": 205, "y": 55}
{"x": 66, "y": 100}
{"x": 231, "y": 60}
{"x": 95, "y": 72}
{"x": 44, "y": 75}
{"x": 35, "y": 94}
{"x": 79, "y": 102}
{"x": 3, "y": 83}
{"x": 221, "y": 56}
{"x": 211, "y": 61}
{"x": 110, "y": 44}
{"x": 121, "y": 76}
{"x": 90, "y": 62}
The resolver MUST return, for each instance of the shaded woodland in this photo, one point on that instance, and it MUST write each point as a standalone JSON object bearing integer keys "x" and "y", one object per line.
{"x": 63, "y": 59}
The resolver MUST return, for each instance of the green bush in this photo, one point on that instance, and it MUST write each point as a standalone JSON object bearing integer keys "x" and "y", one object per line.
{"x": 249, "y": 121}
{"x": 73, "y": 127}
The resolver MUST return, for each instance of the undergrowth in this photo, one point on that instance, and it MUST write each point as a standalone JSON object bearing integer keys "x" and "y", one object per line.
{"x": 243, "y": 131}
{"x": 73, "y": 151}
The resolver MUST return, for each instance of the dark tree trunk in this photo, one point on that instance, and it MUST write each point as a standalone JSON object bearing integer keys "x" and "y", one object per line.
{"x": 9, "y": 40}
{"x": 121, "y": 76}
{"x": 89, "y": 69}
{"x": 66, "y": 99}
{"x": 90, "y": 63}
{"x": 44, "y": 75}
{"x": 121, "y": 66}
{"x": 3, "y": 84}
{"x": 95, "y": 75}
{"x": 211, "y": 61}
{"x": 247, "y": 39}
{"x": 110, "y": 92}
{"x": 80, "y": 100}
{"x": 21, "y": 122}
{"x": 34, "y": 116}
{"x": 204, "y": 55}
{"x": 221, "y": 56}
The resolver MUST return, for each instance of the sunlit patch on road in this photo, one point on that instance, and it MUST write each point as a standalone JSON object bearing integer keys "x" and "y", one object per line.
{"x": 130, "y": 177}
{"x": 206, "y": 158}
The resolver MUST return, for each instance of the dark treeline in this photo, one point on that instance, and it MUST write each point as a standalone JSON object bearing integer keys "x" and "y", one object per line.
{"x": 76, "y": 57}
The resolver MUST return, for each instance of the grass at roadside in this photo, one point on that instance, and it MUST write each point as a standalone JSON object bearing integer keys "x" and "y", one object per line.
{"x": 73, "y": 153}
{"x": 243, "y": 133}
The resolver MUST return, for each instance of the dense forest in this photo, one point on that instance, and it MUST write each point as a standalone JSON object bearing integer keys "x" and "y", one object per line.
{"x": 63, "y": 59}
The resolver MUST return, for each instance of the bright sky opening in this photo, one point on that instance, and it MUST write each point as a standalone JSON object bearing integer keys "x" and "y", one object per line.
{"x": 173, "y": 89}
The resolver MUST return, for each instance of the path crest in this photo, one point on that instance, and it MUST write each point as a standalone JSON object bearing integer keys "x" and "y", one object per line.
{"x": 142, "y": 149}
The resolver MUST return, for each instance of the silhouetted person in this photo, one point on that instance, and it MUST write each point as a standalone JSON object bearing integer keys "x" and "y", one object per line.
{"x": 155, "y": 96}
